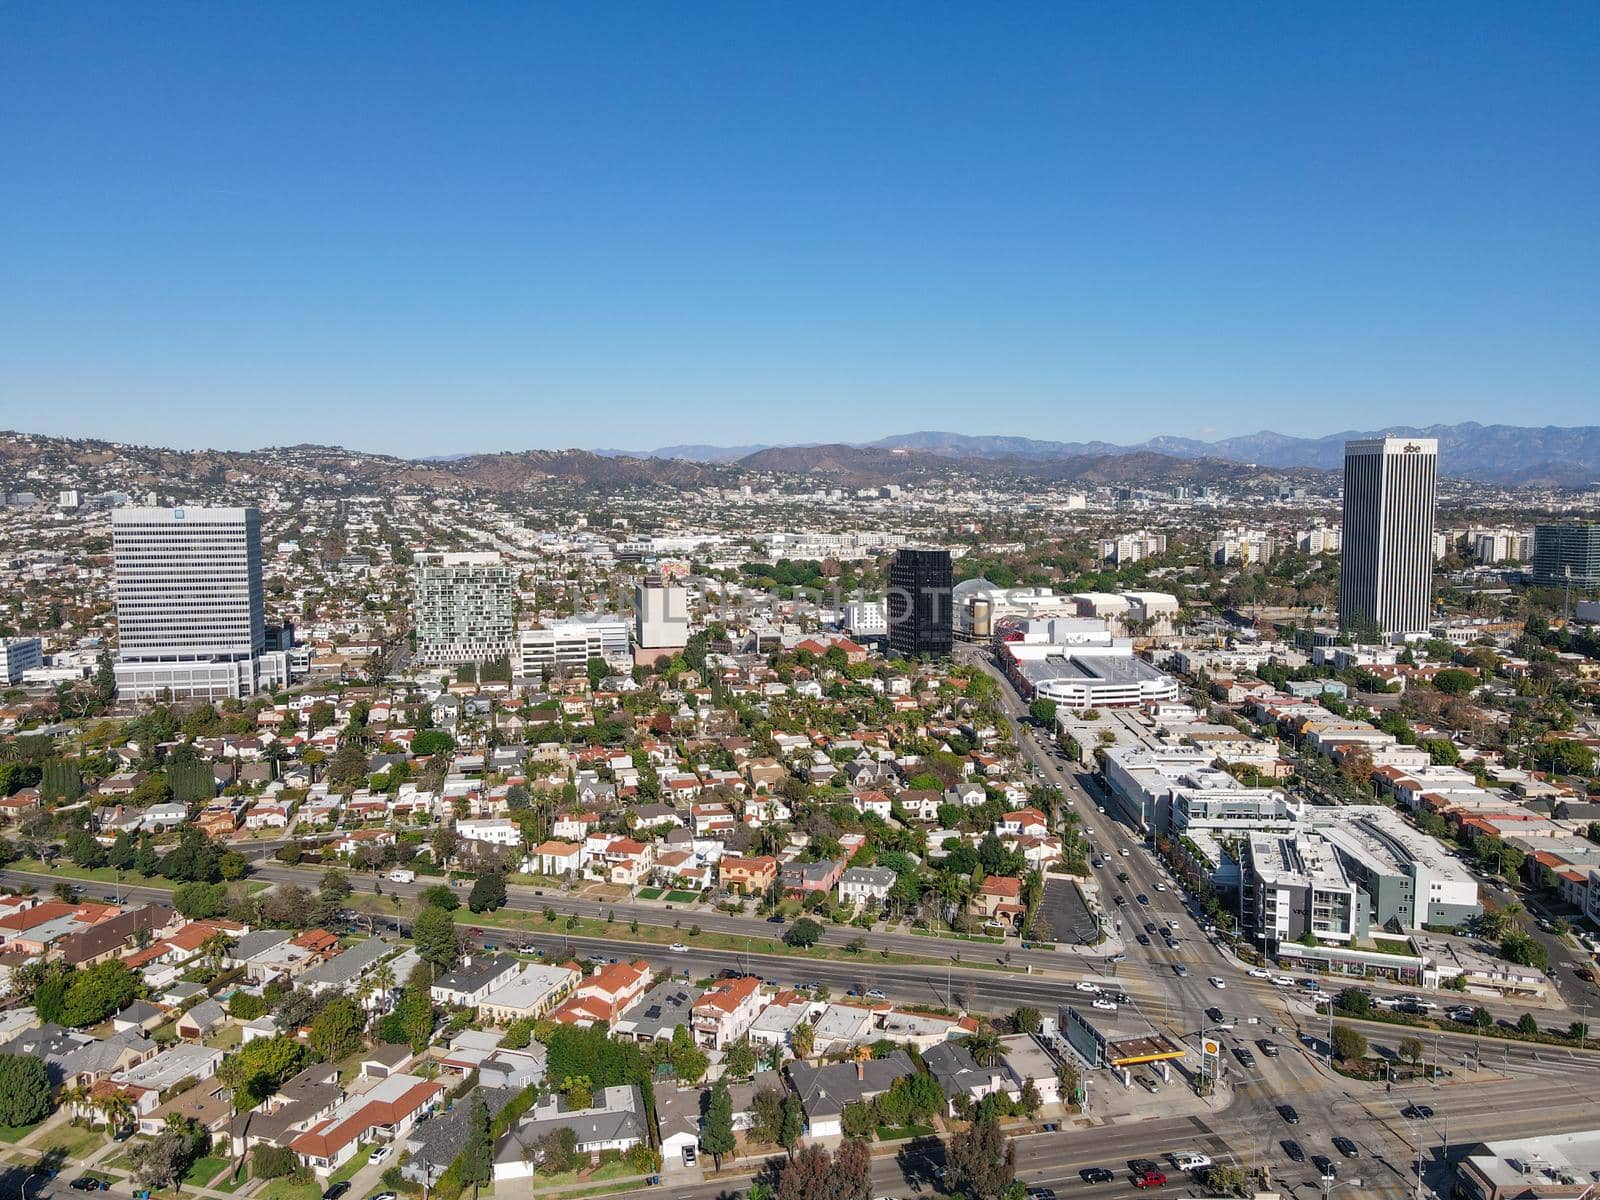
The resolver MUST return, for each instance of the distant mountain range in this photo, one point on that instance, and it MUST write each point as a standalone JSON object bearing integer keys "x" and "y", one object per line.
{"x": 1511, "y": 454}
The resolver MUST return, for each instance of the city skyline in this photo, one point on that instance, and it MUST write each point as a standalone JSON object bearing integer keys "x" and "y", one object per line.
{"x": 558, "y": 224}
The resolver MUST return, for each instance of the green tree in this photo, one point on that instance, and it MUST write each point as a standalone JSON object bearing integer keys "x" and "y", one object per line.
{"x": 1527, "y": 1024}
{"x": 740, "y": 1060}
{"x": 1349, "y": 1044}
{"x": 477, "y": 1157}
{"x": 337, "y": 1030}
{"x": 441, "y": 895}
{"x": 1026, "y": 1020}
{"x": 793, "y": 1125}
{"x": 1411, "y": 1049}
{"x": 858, "y": 1119}
{"x": 24, "y": 1090}
{"x": 95, "y": 993}
{"x": 982, "y": 1160}
{"x": 488, "y": 892}
{"x": 434, "y": 932}
{"x": 716, "y": 1130}
{"x": 200, "y": 901}
{"x": 803, "y": 933}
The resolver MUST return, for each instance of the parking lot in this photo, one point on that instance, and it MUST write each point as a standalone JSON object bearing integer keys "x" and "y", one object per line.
{"x": 1064, "y": 906}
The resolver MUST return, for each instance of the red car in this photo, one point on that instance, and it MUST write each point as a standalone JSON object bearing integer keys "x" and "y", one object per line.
{"x": 1149, "y": 1179}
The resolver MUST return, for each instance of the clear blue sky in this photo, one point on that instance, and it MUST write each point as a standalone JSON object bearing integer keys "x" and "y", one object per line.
{"x": 428, "y": 228}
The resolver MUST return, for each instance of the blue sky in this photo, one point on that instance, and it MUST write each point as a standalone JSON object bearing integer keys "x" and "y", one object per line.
{"x": 431, "y": 228}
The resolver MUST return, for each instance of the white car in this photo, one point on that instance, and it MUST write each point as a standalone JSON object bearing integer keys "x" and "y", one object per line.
{"x": 678, "y": 948}
{"x": 1125, "y": 852}
{"x": 381, "y": 1153}
{"x": 875, "y": 994}
{"x": 1217, "y": 982}
{"x": 1083, "y": 985}
{"x": 1161, "y": 887}
{"x": 1260, "y": 973}
{"x": 1189, "y": 1160}
{"x": 1102, "y": 1002}
{"x": 1100, "y": 808}
{"x": 1172, "y": 923}
{"x": 1282, "y": 981}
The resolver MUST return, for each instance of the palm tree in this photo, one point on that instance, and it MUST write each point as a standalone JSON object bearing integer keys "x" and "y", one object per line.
{"x": 383, "y": 978}
{"x": 216, "y": 946}
{"x": 116, "y": 1107}
{"x": 76, "y": 1098}
{"x": 984, "y": 1046}
{"x": 364, "y": 990}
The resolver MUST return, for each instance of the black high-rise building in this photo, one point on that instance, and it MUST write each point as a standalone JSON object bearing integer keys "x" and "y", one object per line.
{"x": 920, "y": 617}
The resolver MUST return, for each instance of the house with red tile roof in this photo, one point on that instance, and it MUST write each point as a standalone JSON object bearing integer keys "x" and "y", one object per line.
{"x": 387, "y": 1113}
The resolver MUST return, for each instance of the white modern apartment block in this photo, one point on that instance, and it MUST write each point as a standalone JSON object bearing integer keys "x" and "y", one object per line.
{"x": 866, "y": 618}
{"x": 569, "y": 645}
{"x": 1320, "y": 540}
{"x": 661, "y": 614}
{"x": 1131, "y": 547}
{"x": 190, "y": 614}
{"x": 1386, "y": 568}
{"x": 1244, "y": 546}
{"x": 463, "y": 609}
{"x": 1293, "y": 885}
{"x": 19, "y": 654}
{"x": 1500, "y": 545}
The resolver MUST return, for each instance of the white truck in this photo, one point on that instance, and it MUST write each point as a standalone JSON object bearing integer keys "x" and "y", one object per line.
{"x": 401, "y": 875}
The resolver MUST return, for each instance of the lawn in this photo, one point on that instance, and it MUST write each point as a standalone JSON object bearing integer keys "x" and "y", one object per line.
{"x": 1392, "y": 946}
{"x": 229, "y": 1184}
{"x": 684, "y": 897}
{"x": 350, "y": 1168}
{"x": 650, "y": 893}
{"x": 287, "y": 1189}
{"x": 898, "y": 1133}
{"x": 15, "y": 1133}
{"x": 203, "y": 1170}
{"x": 606, "y": 1171}
{"x": 71, "y": 1140}
{"x": 105, "y": 875}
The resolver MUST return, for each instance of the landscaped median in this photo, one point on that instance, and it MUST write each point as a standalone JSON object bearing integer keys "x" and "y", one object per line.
{"x": 520, "y": 921}
{"x": 108, "y": 876}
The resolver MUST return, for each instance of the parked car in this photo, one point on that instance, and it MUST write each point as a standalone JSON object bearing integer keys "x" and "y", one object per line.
{"x": 336, "y": 1190}
{"x": 381, "y": 1153}
{"x": 1179, "y": 970}
{"x": 1292, "y": 1149}
{"x": 689, "y": 1156}
{"x": 875, "y": 994}
{"x": 1289, "y": 1114}
{"x": 1346, "y": 1147}
{"x": 1324, "y": 1166}
{"x": 1142, "y": 938}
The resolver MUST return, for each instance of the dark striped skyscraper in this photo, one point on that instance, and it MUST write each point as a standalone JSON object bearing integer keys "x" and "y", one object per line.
{"x": 918, "y": 603}
{"x": 1386, "y": 568}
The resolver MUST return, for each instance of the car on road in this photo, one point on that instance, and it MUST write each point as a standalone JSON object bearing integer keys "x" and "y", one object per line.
{"x": 1346, "y": 1147}
{"x": 1102, "y": 1003}
{"x": 1083, "y": 985}
{"x": 1417, "y": 1112}
{"x": 1149, "y": 1179}
{"x": 1246, "y": 1059}
{"x": 1100, "y": 808}
{"x": 1125, "y": 852}
{"x": 1119, "y": 899}
{"x": 1143, "y": 899}
{"x": 1172, "y": 922}
{"x": 1097, "y": 1175}
{"x": 1142, "y": 938}
{"x": 1122, "y": 877}
{"x": 1268, "y": 1047}
{"x": 1324, "y": 1166}
{"x": 1179, "y": 970}
{"x": 1282, "y": 981}
{"x": 1260, "y": 973}
{"x": 1160, "y": 887}
{"x": 1041, "y": 1193}
{"x": 1215, "y": 1015}
{"x": 1190, "y": 1160}
{"x": 777, "y": 919}
{"x": 1289, "y": 1114}
{"x": 1217, "y": 982}
{"x": 678, "y": 948}
{"x": 385, "y": 1196}
{"x": 876, "y": 994}
{"x": 1308, "y": 985}
{"x": 1292, "y": 1149}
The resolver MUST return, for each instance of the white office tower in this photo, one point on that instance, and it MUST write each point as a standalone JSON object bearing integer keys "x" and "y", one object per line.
{"x": 569, "y": 645}
{"x": 1386, "y": 568}
{"x": 19, "y": 654}
{"x": 463, "y": 609}
{"x": 190, "y": 616}
{"x": 661, "y": 617}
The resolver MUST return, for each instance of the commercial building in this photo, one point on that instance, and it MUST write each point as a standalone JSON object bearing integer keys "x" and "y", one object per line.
{"x": 1500, "y": 545}
{"x": 1293, "y": 885}
{"x": 979, "y": 604}
{"x": 1131, "y": 547}
{"x": 569, "y": 645}
{"x": 463, "y": 609}
{"x": 661, "y": 617}
{"x": 1563, "y": 553}
{"x": 190, "y": 612}
{"x": 921, "y": 621}
{"x": 1119, "y": 1040}
{"x": 19, "y": 654}
{"x": 1077, "y": 663}
{"x": 1386, "y": 567}
{"x": 1557, "y": 1166}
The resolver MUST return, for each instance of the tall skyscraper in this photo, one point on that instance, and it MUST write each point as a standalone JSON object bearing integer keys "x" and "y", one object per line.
{"x": 1386, "y": 568}
{"x": 1567, "y": 552}
{"x": 463, "y": 609}
{"x": 190, "y": 615}
{"x": 921, "y": 621}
